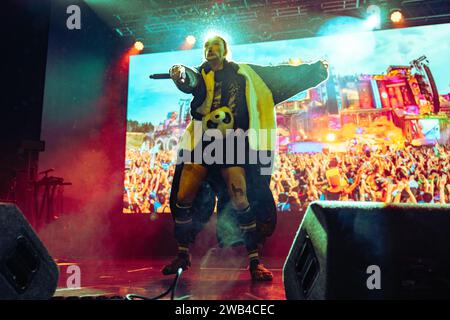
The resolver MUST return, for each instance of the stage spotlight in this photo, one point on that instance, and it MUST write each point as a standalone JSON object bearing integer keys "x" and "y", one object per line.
{"x": 331, "y": 137}
{"x": 212, "y": 33}
{"x": 190, "y": 40}
{"x": 138, "y": 45}
{"x": 396, "y": 16}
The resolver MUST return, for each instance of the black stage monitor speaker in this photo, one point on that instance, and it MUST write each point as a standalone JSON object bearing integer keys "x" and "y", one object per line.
{"x": 26, "y": 269}
{"x": 363, "y": 250}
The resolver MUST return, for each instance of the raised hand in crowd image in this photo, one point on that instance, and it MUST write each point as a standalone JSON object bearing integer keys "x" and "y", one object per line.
{"x": 410, "y": 175}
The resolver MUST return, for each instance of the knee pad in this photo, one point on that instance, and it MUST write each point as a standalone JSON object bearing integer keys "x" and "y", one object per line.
{"x": 183, "y": 224}
{"x": 245, "y": 216}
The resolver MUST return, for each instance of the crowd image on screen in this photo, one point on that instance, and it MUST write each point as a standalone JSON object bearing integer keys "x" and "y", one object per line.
{"x": 148, "y": 178}
{"x": 363, "y": 173}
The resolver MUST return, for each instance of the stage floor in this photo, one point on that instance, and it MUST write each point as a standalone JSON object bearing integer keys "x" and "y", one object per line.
{"x": 205, "y": 280}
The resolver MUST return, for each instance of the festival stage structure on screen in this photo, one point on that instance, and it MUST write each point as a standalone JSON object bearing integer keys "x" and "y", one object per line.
{"x": 405, "y": 98}
{"x": 387, "y": 101}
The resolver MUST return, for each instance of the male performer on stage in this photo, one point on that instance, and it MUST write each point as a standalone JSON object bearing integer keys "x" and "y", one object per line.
{"x": 229, "y": 95}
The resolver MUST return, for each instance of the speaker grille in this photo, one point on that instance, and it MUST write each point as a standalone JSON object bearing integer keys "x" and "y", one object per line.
{"x": 307, "y": 266}
{"x": 21, "y": 264}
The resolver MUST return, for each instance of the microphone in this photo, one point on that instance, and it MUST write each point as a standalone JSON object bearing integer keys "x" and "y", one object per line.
{"x": 160, "y": 76}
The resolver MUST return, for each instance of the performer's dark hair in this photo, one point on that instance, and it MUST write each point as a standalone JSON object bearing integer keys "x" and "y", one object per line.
{"x": 225, "y": 44}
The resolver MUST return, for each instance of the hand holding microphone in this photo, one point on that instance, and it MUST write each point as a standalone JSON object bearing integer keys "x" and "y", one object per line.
{"x": 178, "y": 73}
{"x": 182, "y": 76}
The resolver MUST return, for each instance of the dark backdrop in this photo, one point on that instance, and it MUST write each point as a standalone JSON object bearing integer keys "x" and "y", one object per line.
{"x": 25, "y": 26}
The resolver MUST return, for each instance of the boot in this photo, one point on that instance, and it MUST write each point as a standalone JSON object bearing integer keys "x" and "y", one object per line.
{"x": 180, "y": 261}
{"x": 260, "y": 273}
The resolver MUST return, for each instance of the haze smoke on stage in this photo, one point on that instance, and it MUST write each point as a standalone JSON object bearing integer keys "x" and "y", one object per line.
{"x": 230, "y": 260}
{"x": 341, "y": 32}
{"x": 90, "y": 156}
